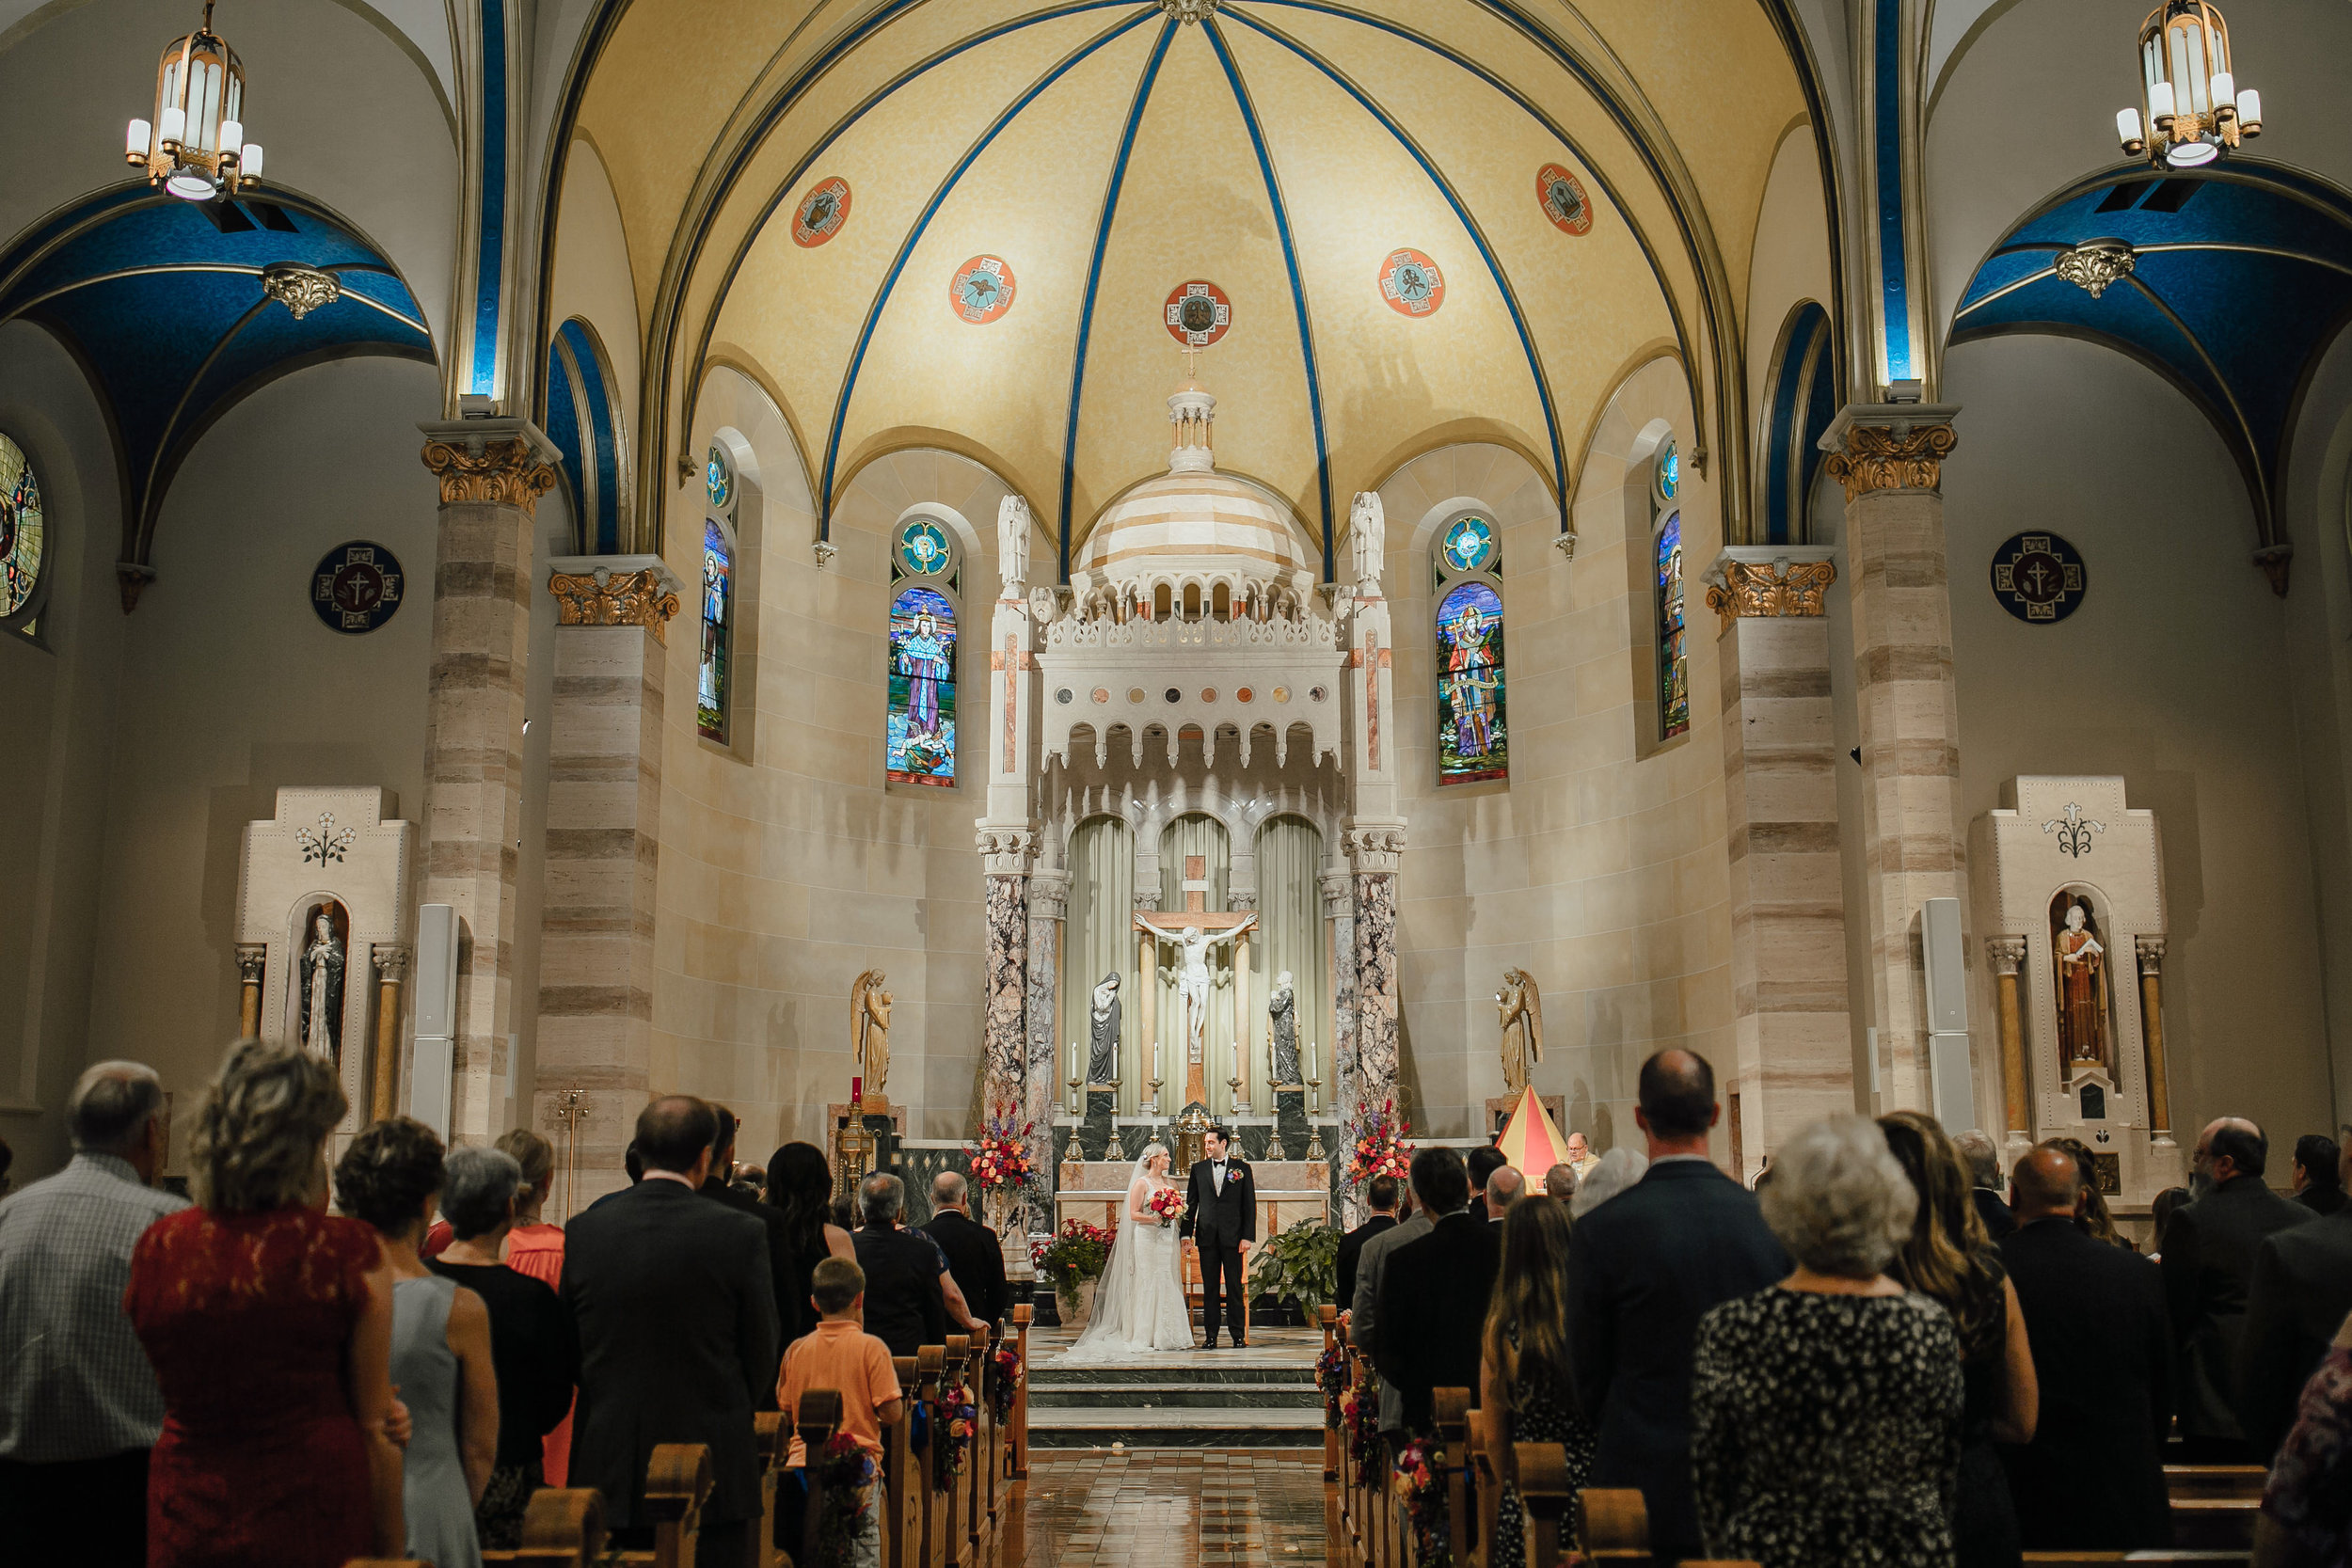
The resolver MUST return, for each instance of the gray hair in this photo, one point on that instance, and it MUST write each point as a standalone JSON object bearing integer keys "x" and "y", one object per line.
{"x": 1560, "y": 1182}
{"x": 950, "y": 1189}
{"x": 1618, "y": 1169}
{"x": 881, "y": 1197}
{"x": 111, "y": 1106}
{"x": 477, "y": 1186}
{"x": 1502, "y": 1185}
{"x": 1983, "y": 1158}
{"x": 264, "y": 1119}
{"x": 1838, "y": 1200}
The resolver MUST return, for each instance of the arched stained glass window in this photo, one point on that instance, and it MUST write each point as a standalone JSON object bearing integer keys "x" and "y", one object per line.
{"x": 1674, "y": 652}
{"x": 716, "y": 689}
{"x": 23, "y": 537}
{"x": 923, "y": 634}
{"x": 1473, "y": 738}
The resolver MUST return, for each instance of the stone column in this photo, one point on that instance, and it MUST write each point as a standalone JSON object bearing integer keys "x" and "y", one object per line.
{"x": 1792, "y": 1031}
{"x": 1339, "y": 1061}
{"x": 2005, "y": 953}
{"x": 604, "y": 815}
{"x": 492, "y": 473}
{"x": 1049, "y": 894}
{"x": 391, "y": 965}
{"x": 1373, "y": 852}
{"x": 2150, "y": 953}
{"x": 1005, "y": 1030}
{"x": 1889, "y": 457}
{"x": 252, "y": 960}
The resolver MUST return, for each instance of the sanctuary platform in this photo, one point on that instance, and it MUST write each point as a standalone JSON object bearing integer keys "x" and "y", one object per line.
{"x": 1257, "y": 1396}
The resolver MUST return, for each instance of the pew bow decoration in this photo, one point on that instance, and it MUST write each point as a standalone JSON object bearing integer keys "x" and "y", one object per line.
{"x": 849, "y": 1473}
{"x": 1420, "y": 1483}
{"x": 1332, "y": 1377}
{"x": 1006, "y": 1385}
{"x": 959, "y": 1418}
{"x": 1359, "y": 1407}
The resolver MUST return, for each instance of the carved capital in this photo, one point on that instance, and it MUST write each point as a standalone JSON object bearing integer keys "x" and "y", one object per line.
{"x": 1049, "y": 894}
{"x": 1890, "y": 447}
{"x": 2093, "y": 264}
{"x": 1374, "y": 849}
{"x": 496, "y": 462}
{"x": 1768, "y": 589}
{"x": 2005, "y": 953}
{"x": 1147, "y": 898}
{"x": 1006, "y": 851}
{"x": 2150, "y": 953}
{"x": 624, "y": 590}
{"x": 250, "y": 957}
{"x": 1339, "y": 894}
{"x": 132, "y": 577}
{"x": 300, "y": 288}
{"x": 1242, "y": 898}
{"x": 391, "y": 964}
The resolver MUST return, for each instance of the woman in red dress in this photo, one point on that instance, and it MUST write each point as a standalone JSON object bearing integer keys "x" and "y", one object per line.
{"x": 536, "y": 1248}
{"x": 269, "y": 1324}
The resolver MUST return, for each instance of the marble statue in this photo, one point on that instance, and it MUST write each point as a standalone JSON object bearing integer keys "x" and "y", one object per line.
{"x": 870, "y": 1030}
{"x": 2082, "y": 1031}
{"x": 1283, "y": 1015}
{"x": 1194, "y": 982}
{"x": 1012, "y": 544}
{"x": 1102, "y": 1043}
{"x": 323, "y": 989}
{"x": 1521, "y": 1005}
{"x": 1367, "y": 532}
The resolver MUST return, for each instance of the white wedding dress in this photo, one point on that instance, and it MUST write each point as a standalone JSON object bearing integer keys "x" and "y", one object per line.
{"x": 1139, "y": 1305}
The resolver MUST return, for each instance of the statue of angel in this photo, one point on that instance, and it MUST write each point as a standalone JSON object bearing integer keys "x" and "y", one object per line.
{"x": 870, "y": 1030}
{"x": 1367, "y": 532}
{"x": 1521, "y": 1005}
{"x": 1012, "y": 544}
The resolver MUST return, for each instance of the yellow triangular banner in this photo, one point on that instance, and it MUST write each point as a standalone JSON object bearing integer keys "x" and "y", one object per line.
{"x": 1530, "y": 1141}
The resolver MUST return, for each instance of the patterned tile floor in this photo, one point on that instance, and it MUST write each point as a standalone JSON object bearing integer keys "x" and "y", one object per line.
{"x": 1164, "y": 1509}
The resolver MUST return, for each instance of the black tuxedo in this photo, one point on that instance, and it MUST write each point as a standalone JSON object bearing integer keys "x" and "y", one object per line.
{"x": 2092, "y": 1479}
{"x": 1218, "y": 1222}
{"x": 678, "y": 1336}
{"x": 793, "y": 1311}
{"x": 1432, "y": 1311}
{"x": 1352, "y": 1251}
{"x": 2302, "y": 1290}
{"x": 1999, "y": 1223}
{"x": 976, "y": 1262}
{"x": 2208, "y": 1267}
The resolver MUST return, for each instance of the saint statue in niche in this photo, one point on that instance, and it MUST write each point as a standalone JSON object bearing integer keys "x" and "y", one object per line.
{"x": 1521, "y": 1005}
{"x": 2081, "y": 961}
{"x": 1103, "y": 1039}
{"x": 1283, "y": 1015}
{"x": 323, "y": 955}
{"x": 870, "y": 1030}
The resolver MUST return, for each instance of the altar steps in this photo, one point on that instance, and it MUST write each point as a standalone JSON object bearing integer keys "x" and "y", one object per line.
{"x": 1260, "y": 1396}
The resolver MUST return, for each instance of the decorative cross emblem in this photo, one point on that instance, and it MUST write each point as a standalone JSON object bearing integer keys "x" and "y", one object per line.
{"x": 2075, "y": 833}
{"x": 327, "y": 844}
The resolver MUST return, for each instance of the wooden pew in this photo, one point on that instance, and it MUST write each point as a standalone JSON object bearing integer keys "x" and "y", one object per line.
{"x": 1542, "y": 1471}
{"x": 1612, "y": 1523}
{"x": 984, "y": 1438}
{"x": 1018, "y": 1449}
{"x": 1451, "y": 1412}
{"x": 1485, "y": 1459}
{"x": 678, "y": 1483}
{"x": 2214, "y": 1480}
{"x": 769, "y": 1445}
{"x": 561, "y": 1529}
{"x": 930, "y": 1537}
{"x": 1328, "y": 1316}
{"x": 2170, "y": 1554}
{"x": 817, "y": 1419}
{"x": 903, "y": 1499}
{"x": 955, "y": 1367}
{"x": 2215, "y": 1524}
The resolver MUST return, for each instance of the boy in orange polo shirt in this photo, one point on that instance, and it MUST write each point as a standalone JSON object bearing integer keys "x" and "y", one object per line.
{"x": 842, "y": 1356}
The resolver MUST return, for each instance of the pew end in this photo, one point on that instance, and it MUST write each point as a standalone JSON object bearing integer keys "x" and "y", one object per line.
{"x": 1612, "y": 1523}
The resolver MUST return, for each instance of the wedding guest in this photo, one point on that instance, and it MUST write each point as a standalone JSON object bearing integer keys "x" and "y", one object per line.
{"x": 2313, "y": 1178}
{"x": 535, "y": 1249}
{"x": 7, "y": 1159}
{"x": 783, "y": 1276}
{"x": 840, "y": 1355}
{"x": 1946, "y": 1258}
{"x": 391, "y": 1177}
{"x": 905, "y": 1304}
{"x": 800, "y": 1184}
{"x": 79, "y": 1408}
{"x": 269, "y": 1325}
{"x": 1984, "y": 1180}
{"x": 1503, "y": 1190}
{"x": 2096, "y": 1221}
{"x": 534, "y": 1348}
{"x": 1364, "y": 1329}
{"x": 1434, "y": 1294}
{"x": 1481, "y": 1164}
{"x": 975, "y": 1257}
{"x": 2092, "y": 1478}
{"x": 2160, "y": 1212}
{"x": 2306, "y": 1519}
{"x": 1560, "y": 1185}
{"x": 1613, "y": 1173}
{"x": 1524, "y": 1379}
{"x": 2301, "y": 1290}
{"x": 1826, "y": 1410}
{"x": 1643, "y": 1267}
{"x": 1380, "y": 1197}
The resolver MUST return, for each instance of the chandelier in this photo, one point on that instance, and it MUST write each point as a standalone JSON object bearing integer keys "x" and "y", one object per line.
{"x": 194, "y": 147}
{"x": 2195, "y": 109}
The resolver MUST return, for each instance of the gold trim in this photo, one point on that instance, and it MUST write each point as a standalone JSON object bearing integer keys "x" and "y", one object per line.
{"x": 1891, "y": 457}
{"x": 606, "y": 598}
{"x": 1754, "y": 590}
{"x": 502, "y": 473}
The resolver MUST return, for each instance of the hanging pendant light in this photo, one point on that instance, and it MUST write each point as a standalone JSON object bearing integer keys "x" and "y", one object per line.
{"x": 2195, "y": 112}
{"x": 194, "y": 147}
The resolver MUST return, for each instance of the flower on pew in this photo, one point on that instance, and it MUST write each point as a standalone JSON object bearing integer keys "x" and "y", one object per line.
{"x": 1359, "y": 1409}
{"x": 849, "y": 1473}
{"x": 1005, "y": 1387}
{"x": 1379, "y": 1143}
{"x": 959, "y": 1418}
{"x": 1420, "y": 1485}
{"x": 1002, "y": 1159}
{"x": 1332, "y": 1377}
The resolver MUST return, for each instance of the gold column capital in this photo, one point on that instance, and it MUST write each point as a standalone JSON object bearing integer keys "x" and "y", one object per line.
{"x": 1752, "y": 582}
{"x": 615, "y": 591}
{"x": 496, "y": 462}
{"x": 1889, "y": 446}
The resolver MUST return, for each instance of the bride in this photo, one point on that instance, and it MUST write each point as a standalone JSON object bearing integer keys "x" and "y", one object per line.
{"x": 1139, "y": 1307}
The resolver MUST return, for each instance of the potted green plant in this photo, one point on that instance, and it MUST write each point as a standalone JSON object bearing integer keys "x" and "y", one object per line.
{"x": 1073, "y": 1264}
{"x": 1300, "y": 1265}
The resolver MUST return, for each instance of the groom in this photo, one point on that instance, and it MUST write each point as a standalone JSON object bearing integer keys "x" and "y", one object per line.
{"x": 1221, "y": 1213}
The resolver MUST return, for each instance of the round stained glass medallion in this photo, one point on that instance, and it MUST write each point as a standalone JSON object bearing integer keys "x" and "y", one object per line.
{"x": 923, "y": 548}
{"x": 1208, "y": 693}
{"x": 1412, "y": 283}
{"x": 820, "y": 213}
{"x": 1101, "y": 694}
{"x": 1669, "y": 471}
{"x": 1563, "y": 200}
{"x": 357, "y": 587}
{"x": 1281, "y": 693}
{"x": 981, "y": 290}
{"x": 1470, "y": 544}
{"x": 719, "y": 480}
{"x": 1198, "y": 314}
{"x": 1134, "y": 693}
{"x": 1245, "y": 694}
{"x": 22, "y": 534}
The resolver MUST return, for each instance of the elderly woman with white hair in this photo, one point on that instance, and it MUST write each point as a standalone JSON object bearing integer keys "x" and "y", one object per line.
{"x": 1826, "y": 1410}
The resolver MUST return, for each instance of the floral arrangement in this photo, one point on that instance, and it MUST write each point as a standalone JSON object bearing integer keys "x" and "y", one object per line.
{"x": 1379, "y": 1143}
{"x": 1077, "y": 1253}
{"x": 1002, "y": 1159}
{"x": 1166, "y": 1202}
{"x": 1360, "y": 1413}
{"x": 1332, "y": 1377}
{"x": 848, "y": 1472}
{"x": 959, "y": 1418}
{"x": 1006, "y": 1385}
{"x": 1420, "y": 1487}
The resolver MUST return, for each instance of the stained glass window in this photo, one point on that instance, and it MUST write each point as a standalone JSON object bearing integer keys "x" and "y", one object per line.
{"x": 922, "y": 688}
{"x": 1669, "y": 471}
{"x": 22, "y": 536}
{"x": 717, "y": 649}
{"x": 923, "y": 549}
{"x": 1472, "y": 741}
{"x": 719, "y": 480}
{"x": 1674, "y": 652}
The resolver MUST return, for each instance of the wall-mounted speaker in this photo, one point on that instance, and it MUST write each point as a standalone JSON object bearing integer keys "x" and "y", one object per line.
{"x": 1950, "y": 1066}
{"x": 431, "y": 1063}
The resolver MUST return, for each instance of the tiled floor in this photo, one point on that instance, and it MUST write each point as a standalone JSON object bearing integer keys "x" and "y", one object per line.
{"x": 1164, "y": 1509}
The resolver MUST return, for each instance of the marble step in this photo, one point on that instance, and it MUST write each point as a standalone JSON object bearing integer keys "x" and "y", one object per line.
{"x": 1202, "y": 1370}
{"x": 1176, "y": 1396}
{"x": 1137, "y": 1427}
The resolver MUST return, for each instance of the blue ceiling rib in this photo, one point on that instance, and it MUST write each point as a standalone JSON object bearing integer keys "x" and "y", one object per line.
{"x": 914, "y": 236}
{"x": 1298, "y": 288}
{"x": 1469, "y": 226}
{"x": 1094, "y": 276}
{"x": 2238, "y": 410}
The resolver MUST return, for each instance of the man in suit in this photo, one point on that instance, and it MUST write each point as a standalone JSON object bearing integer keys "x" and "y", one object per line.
{"x": 793, "y": 1313}
{"x": 1220, "y": 1214}
{"x": 1481, "y": 1164}
{"x": 1380, "y": 1193}
{"x": 2317, "y": 1184}
{"x": 1503, "y": 1190}
{"x": 677, "y": 1333}
{"x": 1642, "y": 1269}
{"x": 2208, "y": 1267}
{"x": 1364, "y": 1328}
{"x": 2092, "y": 1479}
{"x": 976, "y": 1259}
{"x": 1433, "y": 1294}
{"x": 1985, "y": 1180}
{"x": 905, "y": 1307}
{"x": 2301, "y": 1290}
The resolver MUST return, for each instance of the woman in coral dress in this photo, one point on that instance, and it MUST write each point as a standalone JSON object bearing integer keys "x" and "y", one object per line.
{"x": 536, "y": 1248}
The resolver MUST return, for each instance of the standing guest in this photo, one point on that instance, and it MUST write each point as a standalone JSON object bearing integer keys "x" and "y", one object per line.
{"x": 1524, "y": 1380}
{"x": 905, "y": 1304}
{"x": 2300, "y": 1294}
{"x": 2092, "y": 1478}
{"x": 535, "y": 1249}
{"x": 2160, "y": 1212}
{"x": 79, "y": 1408}
{"x": 2306, "y": 1520}
{"x": 976, "y": 1258}
{"x": 1984, "y": 1182}
{"x": 2208, "y": 1268}
{"x": 799, "y": 1185}
{"x": 2315, "y": 1181}
{"x": 842, "y": 1356}
{"x": 1481, "y": 1164}
{"x": 1433, "y": 1295}
{"x": 1380, "y": 1196}
{"x": 2095, "y": 1221}
{"x": 678, "y": 1324}
{"x": 1503, "y": 1190}
{"x": 269, "y": 1325}
{"x": 1560, "y": 1183}
{"x": 1643, "y": 1267}
{"x": 7, "y": 1159}
{"x": 534, "y": 1348}
{"x": 1948, "y": 1259}
{"x": 1826, "y": 1412}
{"x": 391, "y": 1177}
{"x": 1364, "y": 1327}
{"x": 783, "y": 1276}
{"x": 1580, "y": 1155}
{"x": 1613, "y": 1173}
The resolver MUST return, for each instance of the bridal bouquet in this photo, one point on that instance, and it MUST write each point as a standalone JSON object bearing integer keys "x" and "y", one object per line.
{"x": 1168, "y": 1203}
{"x": 1379, "y": 1144}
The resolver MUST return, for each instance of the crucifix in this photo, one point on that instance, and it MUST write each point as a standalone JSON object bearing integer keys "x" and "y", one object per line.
{"x": 1194, "y": 931}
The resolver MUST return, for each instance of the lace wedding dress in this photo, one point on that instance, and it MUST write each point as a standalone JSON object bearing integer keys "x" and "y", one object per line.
{"x": 1139, "y": 1305}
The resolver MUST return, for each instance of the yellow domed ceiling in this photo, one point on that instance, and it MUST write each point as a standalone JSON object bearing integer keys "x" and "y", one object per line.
{"x": 960, "y": 223}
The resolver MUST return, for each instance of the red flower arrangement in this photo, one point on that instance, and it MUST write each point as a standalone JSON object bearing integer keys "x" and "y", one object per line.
{"x": 1006, "y": 1385}
{"x": 849, "y": 1472}
{"x": 1379, "y": 1144}
{"x": 959, "y": 1418}
{"x": 1166, "y": 1202}
{"x": 1002, "y": 1159}
{"x": 1420, "y": 1486}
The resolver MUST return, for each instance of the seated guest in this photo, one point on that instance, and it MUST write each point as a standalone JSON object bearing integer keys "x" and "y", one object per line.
{"x": 2092, "y": 1479}
{"x": 533, "y": 1348}
{"x": 1643, "y": 1267}
{"x": 2306, "y": 1520}
{"x": 269, "y": 1325}
{"x": 1560, "y": 1182}
{"x": 79, "y": 1408}
{"x": 1984, "y": 1182}
{"x": 1433, "y": 1295}
{"x": 1613, "y": 1173}
{"x": 905, "y": 1307}
{"x": 799, "y": 1185}
{"x": 1523, "y": 1381}
{"x": 783, "y": 1276}
{"x": 1825, "y": 1411}
{"x": 1503, "y": 1190}
{"x": 1380, "y": 1197}
{"x": 678, "y": 1325}
{"x": 840, "y": 1355}
{"x": 536, "y": 1248}
{"x": 976, "y": 1258}
{"x": 1948, "y": 1259}
{"x": 2300, "y": 1294}
{"x": 2314, "y": 1180}
{"x": 391, "y": 1177}
{"x": 1481, "y": 1164}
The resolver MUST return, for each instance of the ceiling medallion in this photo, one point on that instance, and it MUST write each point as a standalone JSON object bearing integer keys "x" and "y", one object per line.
{"x": 2195, "y": 111}
{"x": 2039, "y": 577}
{"x": 300, "y": 288}
{"x": 1189, "y": 11}
{"x": 1198, "y": 314}
{"x": 820, "y": 213}
{"x": 2094, "y": 264}
{"x": 1561, "y": 195}
{"x": 1412, "y": 283}
{"x": 981, "y": 290}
